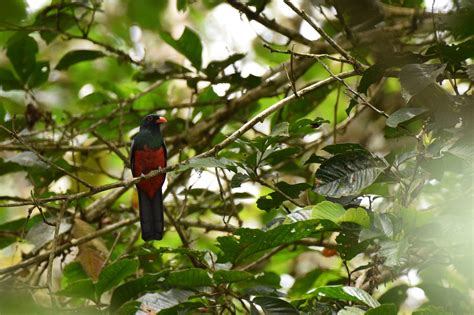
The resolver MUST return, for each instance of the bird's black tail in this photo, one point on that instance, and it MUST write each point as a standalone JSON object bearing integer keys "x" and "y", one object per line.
{"x": 151, "y": 215}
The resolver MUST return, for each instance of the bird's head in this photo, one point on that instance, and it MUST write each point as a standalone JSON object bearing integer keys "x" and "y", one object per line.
{"x": 152, "y": 122}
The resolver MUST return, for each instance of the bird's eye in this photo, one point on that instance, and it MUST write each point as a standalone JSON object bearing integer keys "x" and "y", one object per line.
{"x": 149, "y": 118}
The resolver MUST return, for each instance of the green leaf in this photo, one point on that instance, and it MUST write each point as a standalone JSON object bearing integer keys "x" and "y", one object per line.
{"x": 431, "y": 310}
{"x": 231, "y": 276}
{"x": 73, "y": 272}
{"x": 348, "y": 245}
{"x": 292, "y": 190}
{"x": 161, "y": 71}
{"x": 81, "y": 289}
{"x": 271, "y": 201}
{"x": 207, "y": 162}
{"x": 275, "y": 199}
{"x": 181, "y": 5}
{"x": 132, "y": 289}
{"x": 129, "y": 308}
{"x": 215, "y": 67}
{"x": 328, "y": 210}
{"x": 376, "y": 72}
{"x": 356, "y": 215}
{"x": 40, "y": 74}
{"x": 346, "y": 293}
{"x": 394, "y": 252}
{"x": 278, "y": 156}
{"x": 147, "y": 13}
{"x": 189, "y": 44}
{"x": 385, "y": 309}
{"x": 189, "y": 278}
{"x": 372, "y": 75}
{"x": 315, "y": 159}
{"x": 247, "y": 242}
{"x": 76, "y": 56}
{"x": 7, "y": 241}
{"x": 21, "y": 50}
{"x": 396, "y": 295}
{"x": 165, "y": 300}
{"x": 12, "y": 11}
{"x": 404, "y": 114}
{"x": 53, "y": 19}
{"x": 8, "y": 81}
{"x": 347, "y": 174}
{"x": 115, "y": 273}
{"x": 238, "y": 179}
{"x": 272, "y": 305}
{"x": 339, "y": 148}
{"x": 414, "y": 78}
{"x": 280, "y": 130}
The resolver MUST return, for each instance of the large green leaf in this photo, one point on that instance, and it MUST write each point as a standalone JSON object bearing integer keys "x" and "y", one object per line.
{"x": 189, "y": 278}
{"x": 115, "y": 273}
{"x": 40, "y": 74}
{"x": 355, "y": 215}
{"x": 76, "y": 56}
{"x": 12, "y": 11}
{"x": 132, "y": 289}
{"x": 252, "y": 241}
{"x": 147, "y": 13}
{"x": 21, "y": 50}
{"x": 385, "y": 309}
{"x": 347, "y": 174}
{"x": 8, "y": 81}
{"x": 274, "y": 306}
{"x": 82, "y": 289}
{"x": 189, "y": 44}
{"x": 231, "y": 276}
{"x": 328, "y": 210}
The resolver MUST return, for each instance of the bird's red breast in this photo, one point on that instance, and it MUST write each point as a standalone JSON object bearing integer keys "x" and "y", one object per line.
{"x": 147, "y": 160}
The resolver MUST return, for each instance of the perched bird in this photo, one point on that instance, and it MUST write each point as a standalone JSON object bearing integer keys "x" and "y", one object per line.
{"x": 148, "y": 153}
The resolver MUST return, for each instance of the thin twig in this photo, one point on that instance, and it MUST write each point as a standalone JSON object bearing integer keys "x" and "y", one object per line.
{"x": 356, "y": 94}
{"x": 74, "y": 242}
{"x": 112, "y": 147}
{"x": 42, "y": 158}
{"x": 324, "y": 35}
{"x": 49, "y": 274}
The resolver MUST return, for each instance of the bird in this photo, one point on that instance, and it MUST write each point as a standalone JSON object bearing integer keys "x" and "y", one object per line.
{"x": 148, "y": 153}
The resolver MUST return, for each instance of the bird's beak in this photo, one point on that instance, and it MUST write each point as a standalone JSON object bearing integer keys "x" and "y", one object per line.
{"x": 161, "y": 120}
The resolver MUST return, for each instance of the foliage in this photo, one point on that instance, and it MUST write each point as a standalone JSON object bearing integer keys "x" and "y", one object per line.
{"x": 304, "y": 177}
